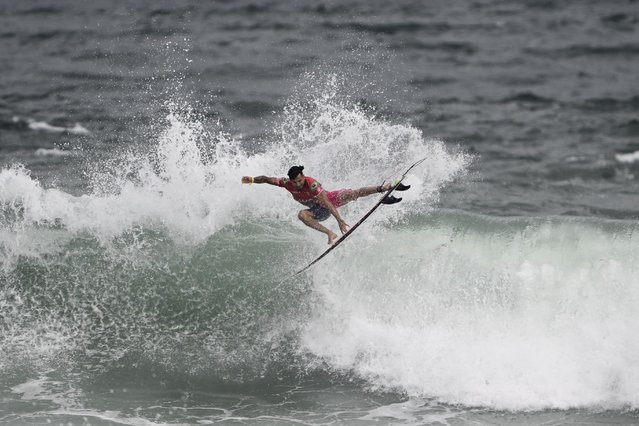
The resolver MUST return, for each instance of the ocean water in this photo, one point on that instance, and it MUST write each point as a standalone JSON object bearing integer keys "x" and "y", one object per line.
{"x": 142, "y": 284}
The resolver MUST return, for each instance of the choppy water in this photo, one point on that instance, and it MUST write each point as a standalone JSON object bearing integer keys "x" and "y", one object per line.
{"x": 142, "y": 284}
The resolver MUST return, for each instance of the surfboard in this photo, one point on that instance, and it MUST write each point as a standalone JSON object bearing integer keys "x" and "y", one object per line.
{"x": 354, "y": 227}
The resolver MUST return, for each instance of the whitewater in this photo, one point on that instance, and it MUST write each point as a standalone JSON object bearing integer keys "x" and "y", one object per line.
{"x": 170, "y": 268}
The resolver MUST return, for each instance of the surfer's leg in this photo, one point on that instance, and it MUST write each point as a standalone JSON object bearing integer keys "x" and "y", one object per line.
{"x": 309, "y": 220}
{"x": 349, "y": 195}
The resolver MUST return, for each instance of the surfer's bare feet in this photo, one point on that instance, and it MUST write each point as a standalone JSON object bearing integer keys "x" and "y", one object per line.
{"x": 332, "y": 236}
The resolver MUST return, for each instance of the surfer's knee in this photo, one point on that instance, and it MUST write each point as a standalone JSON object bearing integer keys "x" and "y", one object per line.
{"x": 304, "y": 215}
{"x": 348, "y": 195}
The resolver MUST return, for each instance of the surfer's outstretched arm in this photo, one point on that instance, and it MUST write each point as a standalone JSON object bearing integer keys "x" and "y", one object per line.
{"x": 260, "y": 179}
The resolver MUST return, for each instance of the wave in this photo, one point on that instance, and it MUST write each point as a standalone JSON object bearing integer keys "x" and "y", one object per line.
{"x": 77, "y": 128}
{"x": 170, "y": 266}
{"x": 51, "y": 152}
{"x": 169, "y": 261}
{"x": 627, "y": 157}
{"x": 528, "y": 97}
{"x": 43, "y": 126}
{"x": 507, "y": 313}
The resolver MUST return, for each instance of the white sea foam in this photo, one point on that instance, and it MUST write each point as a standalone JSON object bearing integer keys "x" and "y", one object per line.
{"x": 43, "y": 126}
{"x": 52, "y": 152}
{"x": 532, "y": 317}
{"x": 188, "y": 181}
{"x": 628, "y": 158}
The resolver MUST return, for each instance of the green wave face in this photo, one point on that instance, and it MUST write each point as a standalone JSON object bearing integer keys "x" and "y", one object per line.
{"x": 218, "y": 308}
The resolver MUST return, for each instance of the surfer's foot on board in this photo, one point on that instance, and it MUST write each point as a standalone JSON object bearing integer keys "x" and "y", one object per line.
{"x": 332, "y": 237}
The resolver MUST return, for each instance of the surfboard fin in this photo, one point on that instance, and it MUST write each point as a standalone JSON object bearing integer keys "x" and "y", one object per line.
{"x": 391, "y": 200}
{"x": 402, "y": 187}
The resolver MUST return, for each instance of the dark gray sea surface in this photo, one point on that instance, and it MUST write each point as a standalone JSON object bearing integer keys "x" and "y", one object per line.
{"x": 544, "y": 93}
{"x": 141, "y": 283}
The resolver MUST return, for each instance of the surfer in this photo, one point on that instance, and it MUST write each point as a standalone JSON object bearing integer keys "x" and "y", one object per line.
{"x": 322, "y": 204}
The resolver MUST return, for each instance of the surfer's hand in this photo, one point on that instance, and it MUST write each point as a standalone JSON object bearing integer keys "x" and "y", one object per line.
{"x": 343, "y": 226}
{"x": 247, "y": 179}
